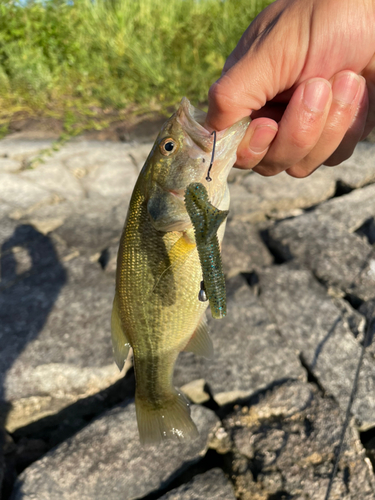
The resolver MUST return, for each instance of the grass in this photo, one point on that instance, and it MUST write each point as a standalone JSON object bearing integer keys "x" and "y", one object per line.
{"x": 86, "y": 61}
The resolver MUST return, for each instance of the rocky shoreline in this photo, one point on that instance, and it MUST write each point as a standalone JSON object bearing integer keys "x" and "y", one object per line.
{"x": 299, "y": 258}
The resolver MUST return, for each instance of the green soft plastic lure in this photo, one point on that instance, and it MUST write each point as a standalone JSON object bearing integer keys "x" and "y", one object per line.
{"x": 206, "y": 220}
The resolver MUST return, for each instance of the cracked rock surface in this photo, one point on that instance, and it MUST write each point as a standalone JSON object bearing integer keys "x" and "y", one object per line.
{"x": 299, "y": 259}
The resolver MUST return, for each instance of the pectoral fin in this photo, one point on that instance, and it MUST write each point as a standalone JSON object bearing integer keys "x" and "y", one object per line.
{"x": 120, "y": 343}
{"x": 201, "y": 343}
{"x": 177, "y": 257}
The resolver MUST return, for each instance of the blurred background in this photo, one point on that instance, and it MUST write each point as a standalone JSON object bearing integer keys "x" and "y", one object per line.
{"x": 86, "y": 64}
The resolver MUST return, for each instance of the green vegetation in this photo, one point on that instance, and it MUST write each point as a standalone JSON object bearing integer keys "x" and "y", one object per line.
{"x": 82, "y": 60}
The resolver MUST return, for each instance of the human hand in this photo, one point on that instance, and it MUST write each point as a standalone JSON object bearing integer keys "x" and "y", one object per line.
{"x": 305, "y": 71}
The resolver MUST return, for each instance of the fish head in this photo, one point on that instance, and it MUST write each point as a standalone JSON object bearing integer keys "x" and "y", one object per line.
{"x": 181, "y": 155}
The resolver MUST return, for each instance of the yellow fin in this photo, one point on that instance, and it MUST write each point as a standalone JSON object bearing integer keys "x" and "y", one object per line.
{"x": 171, "y": 421}
{"x": 200, "y": 342}
{"x": 120, "y": 343}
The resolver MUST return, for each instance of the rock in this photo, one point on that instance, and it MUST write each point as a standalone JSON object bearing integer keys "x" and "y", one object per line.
{"x": 350, "y": 211}
{"x": 359, "y": 169}
{"x": 243, "y": 250}
{"x": 9, "y": 165}
{"x": 21, "y": 193}
{"x": 338, "y": 258}
{"x": 309, "y": 322}
{"x": 212, "y": 485}
{"x": 195, "y": 391}
{"x": 249, "y": 355}
{"x": 116, "y": 179}
{"x": 106, "y": 461}
{"x": 55, "y": 345}
{"x": 22, "y": 150}
{"x": 260, "y": 197}
{"x": 284, "y": 448}
{"x": 139, "y": 153}
{"x": 368, "y": 311}
{"x": 54, "y": 177}
{"x": 93, "y": 226}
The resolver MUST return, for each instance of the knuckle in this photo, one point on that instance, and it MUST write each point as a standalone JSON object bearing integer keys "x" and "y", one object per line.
{"x": 303, "y": 139}
{"x": 219, "y": 97}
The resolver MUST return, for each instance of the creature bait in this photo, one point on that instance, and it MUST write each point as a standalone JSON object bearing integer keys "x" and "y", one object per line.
{"x": 206, "y": 221}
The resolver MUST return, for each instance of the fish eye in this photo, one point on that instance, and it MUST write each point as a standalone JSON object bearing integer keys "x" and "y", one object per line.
{"x": 168, "y": 146}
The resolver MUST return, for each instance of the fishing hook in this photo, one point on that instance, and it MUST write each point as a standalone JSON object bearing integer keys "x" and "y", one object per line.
{"x": 208, "y": 178}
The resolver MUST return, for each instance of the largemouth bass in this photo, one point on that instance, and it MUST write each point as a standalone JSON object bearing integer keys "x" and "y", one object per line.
{"x": 156, "y": 310}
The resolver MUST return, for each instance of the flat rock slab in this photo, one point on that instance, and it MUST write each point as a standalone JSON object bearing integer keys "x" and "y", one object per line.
{"x": 243, "y": 249}
{"x": 249, "y": 354}
{"x": 359, "y": 169}
{"x": 284, "y": 448}
{"x": 105, "y": 461}
{"x": 55, "y": 337}
{"x": 350, "y": 211}
{"x": 258, "y": 197}
{"x": 212, "y": 485}
{"x": 336, "y": 256}
{"x": 309, "y": 320}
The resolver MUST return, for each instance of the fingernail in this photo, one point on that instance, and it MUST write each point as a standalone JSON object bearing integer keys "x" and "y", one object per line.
{"x": 316, "y": 95}
{"x": 345, "y": 87}
{"x": 261, "y": 138}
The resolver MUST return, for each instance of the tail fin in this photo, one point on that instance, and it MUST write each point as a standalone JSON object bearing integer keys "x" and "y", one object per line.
{"x": 172, "y": 421}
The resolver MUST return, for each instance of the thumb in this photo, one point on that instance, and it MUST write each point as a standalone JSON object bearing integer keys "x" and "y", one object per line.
{"x": 267, "y": 60}
{"x": 236, "y": 94}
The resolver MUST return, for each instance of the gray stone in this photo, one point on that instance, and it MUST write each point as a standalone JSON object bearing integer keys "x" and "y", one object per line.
{"x": 288, "y": 440}
{"x": 352, "y": 210}
{"x": 20, "y": 192}
{"x": 338, "y": 258}
{"x": 93, "y": 225}
{"x": 55, "y": 336}
{"x": 22, "y": 150}
{"x": 115, "y": 179}
{"x": 139, "y": 153}
{"x": 53, "y": 177}
{"x": 368, "y": 311}
{"x": 359, "y": 169}
{"x": 242, "y": 249}
{"x": 260, "y": 197}
{"x": 106, "y": 461}
{"x": 309, "y": 321}
{"x": 84, "y": 157}
{"x": 9, "y": 165}
{"x": 249, "y": 354}
{"x": 212, "y": 485}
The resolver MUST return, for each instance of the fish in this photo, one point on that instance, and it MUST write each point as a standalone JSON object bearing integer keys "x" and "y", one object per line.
{"x": 206, "y": 220}
{"x": 156, "y": 310}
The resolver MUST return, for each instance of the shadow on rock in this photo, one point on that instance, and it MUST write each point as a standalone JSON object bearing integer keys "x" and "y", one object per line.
{"x": 31, "y": 278}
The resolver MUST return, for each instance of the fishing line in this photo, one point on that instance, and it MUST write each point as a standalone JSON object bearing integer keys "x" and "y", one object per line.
{"x": 366, "y": 343}
{"x": 208, "y": 178}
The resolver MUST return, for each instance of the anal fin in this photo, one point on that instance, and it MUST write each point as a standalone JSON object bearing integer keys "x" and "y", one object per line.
{"x": 200, "y": 342}
{"x": 120, "y": 343}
